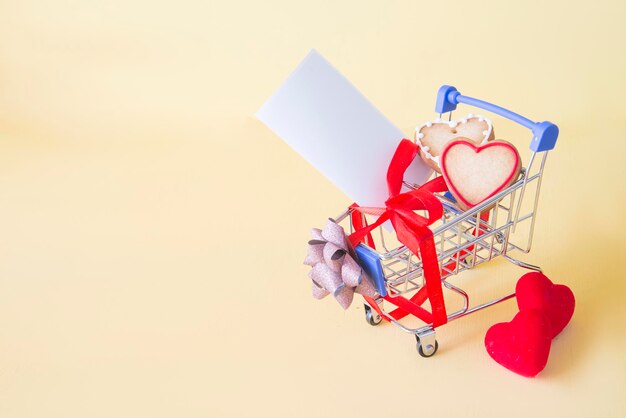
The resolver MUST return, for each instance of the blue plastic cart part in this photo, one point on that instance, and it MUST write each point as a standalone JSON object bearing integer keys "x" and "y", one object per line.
{"x": 370, "y": 261}
{"x": 545, "y": 134}
{"x": 452, "y": 208}
{"x": 449, "y": 196}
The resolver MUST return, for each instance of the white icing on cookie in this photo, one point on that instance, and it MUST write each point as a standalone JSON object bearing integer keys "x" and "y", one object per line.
{"x": 452, "y": 124}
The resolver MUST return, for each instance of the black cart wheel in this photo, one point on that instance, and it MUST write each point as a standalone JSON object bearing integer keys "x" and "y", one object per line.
{"x": 371, "y": 316}
{"x": 427, "y": 351}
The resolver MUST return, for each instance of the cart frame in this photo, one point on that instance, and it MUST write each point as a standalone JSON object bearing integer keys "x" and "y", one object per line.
{"x": 465, "y": 239}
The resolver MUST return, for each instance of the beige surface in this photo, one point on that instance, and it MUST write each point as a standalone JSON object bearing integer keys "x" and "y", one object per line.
{"x": 151, "y": 230}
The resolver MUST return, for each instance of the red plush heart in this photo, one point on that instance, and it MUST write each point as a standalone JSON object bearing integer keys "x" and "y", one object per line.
{"x": 522, "y": 345}
{"x": 535, "y": 291}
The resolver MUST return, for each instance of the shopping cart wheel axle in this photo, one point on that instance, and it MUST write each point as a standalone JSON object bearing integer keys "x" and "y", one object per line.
{"x": 371, "y": 316}
{"x": 427, "y": 345}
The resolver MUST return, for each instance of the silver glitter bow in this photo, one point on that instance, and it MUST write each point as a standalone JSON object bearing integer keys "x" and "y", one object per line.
{"x": 334, "y": 268}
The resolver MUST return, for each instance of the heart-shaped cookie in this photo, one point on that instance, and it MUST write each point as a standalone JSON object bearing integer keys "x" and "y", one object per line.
{"x": 475, "y": 173}
{"x": 535, "y": 291}
{"x": 522, "y": 345}
{"x": 432, "y": 137}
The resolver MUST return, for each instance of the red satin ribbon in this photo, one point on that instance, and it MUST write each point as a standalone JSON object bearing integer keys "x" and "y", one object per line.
{"x": 412, "y": 230}
{"x": 359, "y": 222}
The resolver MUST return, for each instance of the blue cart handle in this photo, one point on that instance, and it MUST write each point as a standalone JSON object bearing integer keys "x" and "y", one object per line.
{"x": 544, "y": 133}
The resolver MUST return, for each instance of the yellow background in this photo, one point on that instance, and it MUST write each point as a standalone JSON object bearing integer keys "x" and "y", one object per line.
{"x": 152, "y": 230}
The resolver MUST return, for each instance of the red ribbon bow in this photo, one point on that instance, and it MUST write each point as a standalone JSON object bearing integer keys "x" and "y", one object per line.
{"x": 412, "y": 230}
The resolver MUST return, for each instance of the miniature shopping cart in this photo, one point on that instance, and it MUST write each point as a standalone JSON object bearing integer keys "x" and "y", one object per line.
{"x": 499, "y": 226}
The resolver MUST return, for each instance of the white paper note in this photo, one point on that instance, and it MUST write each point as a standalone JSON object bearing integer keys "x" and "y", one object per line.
{"x": 321, "y": 115}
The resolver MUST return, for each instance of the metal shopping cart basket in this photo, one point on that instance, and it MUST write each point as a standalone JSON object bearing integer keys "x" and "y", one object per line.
{"x": 464, "y": 239}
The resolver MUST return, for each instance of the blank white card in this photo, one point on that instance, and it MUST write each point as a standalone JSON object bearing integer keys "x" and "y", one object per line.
{"x": 321, "y": 115}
